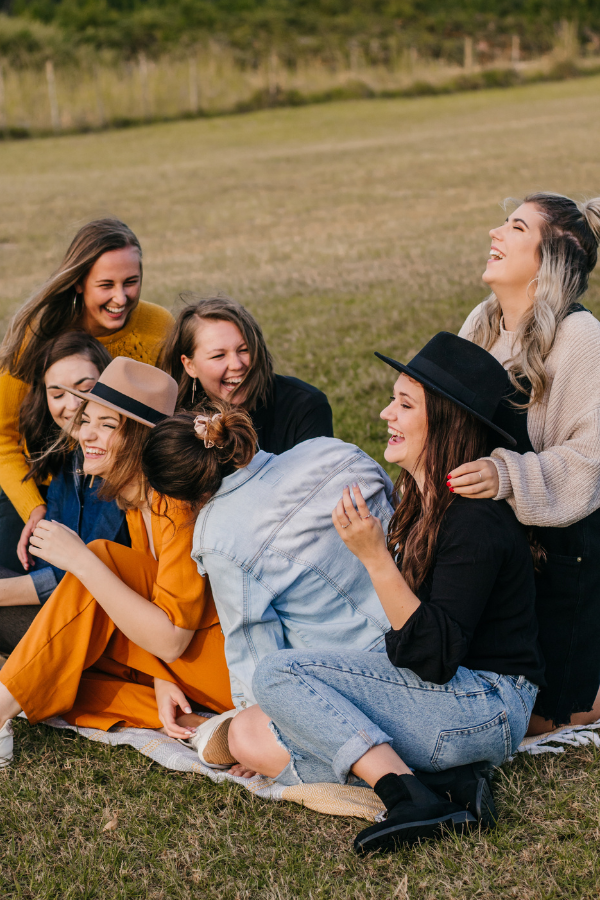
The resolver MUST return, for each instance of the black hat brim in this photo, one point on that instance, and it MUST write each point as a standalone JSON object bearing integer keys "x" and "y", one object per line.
{"x": 412, "y": 373}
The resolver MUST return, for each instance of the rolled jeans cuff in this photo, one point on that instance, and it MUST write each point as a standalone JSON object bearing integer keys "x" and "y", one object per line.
{"x": 309, "y": 770}
{"x": 44, "y": 582}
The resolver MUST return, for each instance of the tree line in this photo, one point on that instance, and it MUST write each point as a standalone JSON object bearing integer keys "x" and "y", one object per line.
{"x": 33, "y": 29}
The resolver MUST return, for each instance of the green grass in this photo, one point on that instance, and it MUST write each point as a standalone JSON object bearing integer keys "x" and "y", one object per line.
{"x": 345, "y": 228}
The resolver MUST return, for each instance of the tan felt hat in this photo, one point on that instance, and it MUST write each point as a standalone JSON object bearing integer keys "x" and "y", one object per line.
{"x": 135, "y": 390}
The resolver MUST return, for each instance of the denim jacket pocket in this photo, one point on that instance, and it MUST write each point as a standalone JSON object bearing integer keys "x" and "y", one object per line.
{"x": 489, "y": 741}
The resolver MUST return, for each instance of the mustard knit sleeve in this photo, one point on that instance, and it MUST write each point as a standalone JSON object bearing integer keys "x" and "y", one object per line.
{"x": 13, "y": 465}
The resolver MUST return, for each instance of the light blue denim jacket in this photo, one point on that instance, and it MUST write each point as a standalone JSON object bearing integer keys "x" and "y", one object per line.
{"x": 280, "y": 575}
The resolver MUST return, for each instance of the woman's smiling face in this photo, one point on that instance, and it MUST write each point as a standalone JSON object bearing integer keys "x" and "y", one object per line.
{"x": 96, "y": 434}
{"x": 406, "y": 416}
{"x": 111, "y": 291}
{"x": 514, "y": 255}
{"x": 76, "y": 372}
{"x": 221, "y": 359}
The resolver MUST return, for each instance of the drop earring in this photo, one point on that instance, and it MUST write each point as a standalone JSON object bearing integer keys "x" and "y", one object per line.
{"x": 193, "y": 391}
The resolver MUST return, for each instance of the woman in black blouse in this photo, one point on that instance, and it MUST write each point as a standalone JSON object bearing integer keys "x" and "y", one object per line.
{"x": 217, "y": 349}
{"x": 456, "y": 579}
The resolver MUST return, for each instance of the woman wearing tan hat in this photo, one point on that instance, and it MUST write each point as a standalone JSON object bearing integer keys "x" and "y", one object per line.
{"x": 121, "y": 616}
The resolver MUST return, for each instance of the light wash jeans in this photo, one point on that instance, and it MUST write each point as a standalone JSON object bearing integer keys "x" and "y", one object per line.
{"x": 328, "y": 709}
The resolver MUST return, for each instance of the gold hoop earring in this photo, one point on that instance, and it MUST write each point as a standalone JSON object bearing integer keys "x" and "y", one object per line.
{"x": 193, "y": 391}
{"x": 143, "y": 490}
{"x": 528, "y": 286}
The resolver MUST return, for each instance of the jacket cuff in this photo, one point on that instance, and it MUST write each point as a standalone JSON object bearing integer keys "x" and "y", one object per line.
{"x": 504, "y": 485}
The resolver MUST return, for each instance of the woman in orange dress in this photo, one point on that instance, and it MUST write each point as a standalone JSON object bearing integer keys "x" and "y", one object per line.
{"x": 122, "y": 617}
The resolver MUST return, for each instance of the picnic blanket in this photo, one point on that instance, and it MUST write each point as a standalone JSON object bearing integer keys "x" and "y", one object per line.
{"x": 333, "y": 799}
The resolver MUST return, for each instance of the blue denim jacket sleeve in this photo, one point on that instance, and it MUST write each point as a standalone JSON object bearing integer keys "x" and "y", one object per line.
{"x": 54, "y": 506}
{"x": 251, "y": 626}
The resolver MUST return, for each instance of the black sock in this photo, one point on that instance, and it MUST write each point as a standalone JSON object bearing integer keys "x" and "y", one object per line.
{"x": 393, "y": 789}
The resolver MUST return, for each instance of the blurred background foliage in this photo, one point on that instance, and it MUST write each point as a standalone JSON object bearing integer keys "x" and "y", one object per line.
{"x": 33, "y": 30}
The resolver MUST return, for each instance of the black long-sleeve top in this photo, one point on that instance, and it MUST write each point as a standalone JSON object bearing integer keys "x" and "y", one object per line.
{"x": 478, "y": 601}
{"x": 295, "y": 412}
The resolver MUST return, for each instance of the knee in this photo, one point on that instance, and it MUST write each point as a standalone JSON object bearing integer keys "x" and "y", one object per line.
{"x": 243, "y": 736}
{"x": 267, "y": 678}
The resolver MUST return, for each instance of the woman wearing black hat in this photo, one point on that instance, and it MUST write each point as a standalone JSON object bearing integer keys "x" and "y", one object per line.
{"x": 456, "y": 581}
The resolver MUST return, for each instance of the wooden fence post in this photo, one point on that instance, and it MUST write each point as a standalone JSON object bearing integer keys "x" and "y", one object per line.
{"x": 193, "y": 73}
{"x": 52, "y": 96}
{"x": 143, "y": 66}
{"x": 3, "y": 120}
{"x": 468, "y": 53}
{"x": 273, "y": 66}
{"x": 515, "y": 49}
{"x": 99, "y": 103}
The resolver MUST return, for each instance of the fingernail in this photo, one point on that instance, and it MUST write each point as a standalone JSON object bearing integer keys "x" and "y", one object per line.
{"x": 452, "y": 489}
{"x": 355, "y": 484}
{"x": 187, "y": 709}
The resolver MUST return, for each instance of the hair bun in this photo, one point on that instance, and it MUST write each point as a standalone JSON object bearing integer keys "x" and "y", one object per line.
{"x": 227, "y": 432}
{"x": 590, "y": 209}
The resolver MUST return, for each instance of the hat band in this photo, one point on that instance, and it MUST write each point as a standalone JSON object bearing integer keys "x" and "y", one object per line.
{"x": 127, "y": 404}
{"x": 447, "y": 382}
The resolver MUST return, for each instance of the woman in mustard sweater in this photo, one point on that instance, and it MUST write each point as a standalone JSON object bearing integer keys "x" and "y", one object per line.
{"x": 96, "y": 288}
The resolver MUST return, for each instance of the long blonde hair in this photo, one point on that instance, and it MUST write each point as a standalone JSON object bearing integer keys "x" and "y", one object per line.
{"x": 568, "y": 252}
{"x": 56, "y": 307}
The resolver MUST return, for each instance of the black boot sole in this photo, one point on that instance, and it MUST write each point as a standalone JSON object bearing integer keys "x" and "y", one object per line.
{"x": 409, "y": 833}
{"x": 485, "y": 808}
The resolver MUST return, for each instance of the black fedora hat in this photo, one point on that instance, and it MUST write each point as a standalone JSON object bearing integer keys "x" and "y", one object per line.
{"x": 463, "y": 372}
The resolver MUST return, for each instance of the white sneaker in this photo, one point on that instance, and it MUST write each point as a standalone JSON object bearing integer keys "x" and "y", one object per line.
{"x": 6, "y": 744}
{"x": 211, "y": 743}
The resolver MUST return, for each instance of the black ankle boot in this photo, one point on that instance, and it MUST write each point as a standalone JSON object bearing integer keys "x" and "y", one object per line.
{"x": 468, "y": 786}
{"x": 414, "y": 813}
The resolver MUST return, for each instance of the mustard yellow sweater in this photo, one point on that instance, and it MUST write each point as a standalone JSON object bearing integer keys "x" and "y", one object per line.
{"x": 140, "y": 339}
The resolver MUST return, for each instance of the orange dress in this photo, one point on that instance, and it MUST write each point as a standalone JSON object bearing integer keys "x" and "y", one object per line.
{"x": 74, "y": 661}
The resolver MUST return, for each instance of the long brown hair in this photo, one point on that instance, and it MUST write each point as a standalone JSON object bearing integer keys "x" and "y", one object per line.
{"x": 259, "y": 379}
{"x": 453, "y": 435}
{"x": 568, "y": 253}
{"x": 178, "y": 465}
{"x": 39, "y": 432}
{"x": 56, "y": 307}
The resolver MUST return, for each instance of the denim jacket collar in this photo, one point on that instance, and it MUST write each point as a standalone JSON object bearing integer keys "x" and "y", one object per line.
{"x": 241, "y": 476}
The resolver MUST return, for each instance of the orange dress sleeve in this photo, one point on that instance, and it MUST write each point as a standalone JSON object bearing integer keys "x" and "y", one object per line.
{"x": 179, "y": 590}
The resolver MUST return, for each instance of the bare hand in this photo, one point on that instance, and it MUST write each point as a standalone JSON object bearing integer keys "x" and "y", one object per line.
{"x": 172, "y": 702}
{"x": 25, "y": 558}
{"x": 240, "y": 771}
{"x": 478, "y": 480}
{"x": 361, "y": 532}
{"x": 60, "y": 546}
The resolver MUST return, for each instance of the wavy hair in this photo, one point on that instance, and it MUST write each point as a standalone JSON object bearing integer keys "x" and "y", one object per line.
{"x": 46, "y": 450}
{"x": 568, "y": 252}
{"x": 55, "y": 307}
{"x": 453, "y": 435}
{"x": 259, "y": 379}
{"x": 194, "y": 472}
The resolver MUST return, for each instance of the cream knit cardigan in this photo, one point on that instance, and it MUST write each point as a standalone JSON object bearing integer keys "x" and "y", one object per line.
{"x": 560, "y": 483}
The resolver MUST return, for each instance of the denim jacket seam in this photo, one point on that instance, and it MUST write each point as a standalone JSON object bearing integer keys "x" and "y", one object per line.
{"x": 323, "y": 575}
{"x": 317, "y": 488}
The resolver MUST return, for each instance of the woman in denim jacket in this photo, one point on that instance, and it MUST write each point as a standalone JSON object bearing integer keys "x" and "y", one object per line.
{"x": 463, "y": 666}
{"x": 279, "y": 575}
{"x": 76, "y": 359}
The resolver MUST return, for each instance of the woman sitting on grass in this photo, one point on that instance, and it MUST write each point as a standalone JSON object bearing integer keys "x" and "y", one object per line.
{"x": 278, "y": 573}
{"x": 217, "y": 352}
{"x": 540, "y": 262}
{"x": 74, "y": 359}
{"x": 121, "y": 616}
{"x": 96, "y": 288}
{"x": 455, "y": 579}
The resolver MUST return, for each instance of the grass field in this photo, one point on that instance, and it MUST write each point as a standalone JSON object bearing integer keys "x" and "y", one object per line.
{"x": 345, "y": 228}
